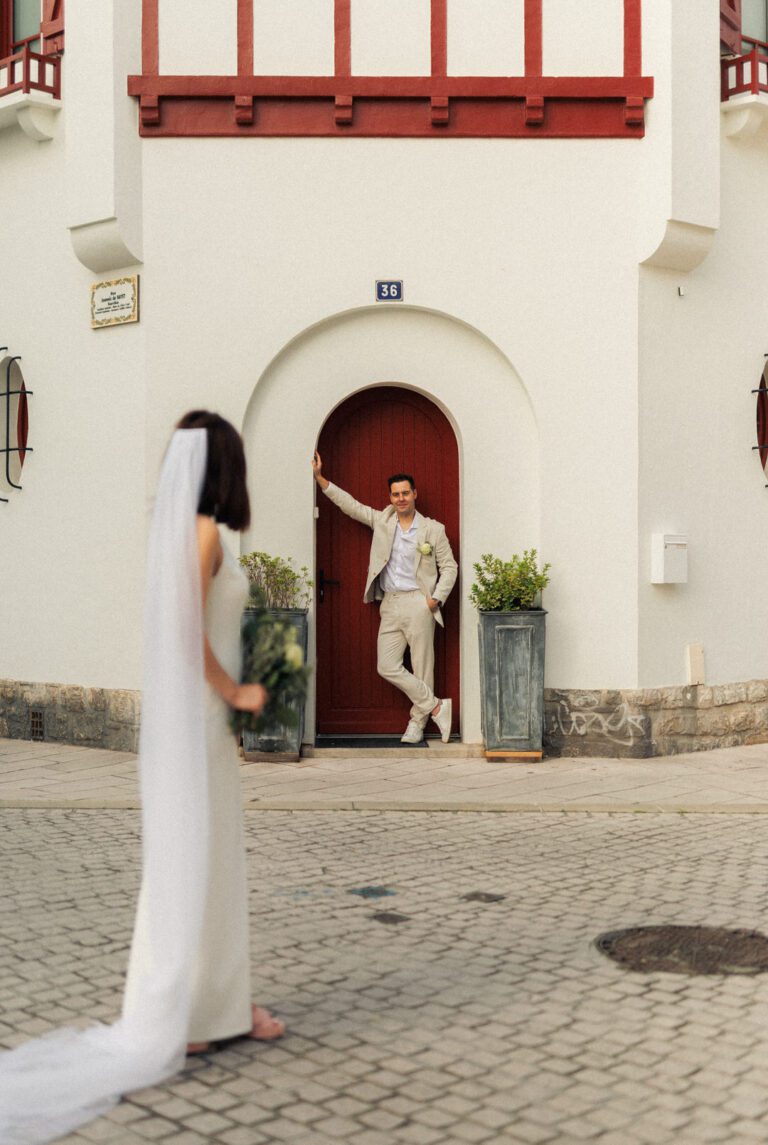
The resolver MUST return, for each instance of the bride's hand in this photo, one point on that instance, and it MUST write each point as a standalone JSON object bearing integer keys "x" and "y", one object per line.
{"x": 250, "y": 698}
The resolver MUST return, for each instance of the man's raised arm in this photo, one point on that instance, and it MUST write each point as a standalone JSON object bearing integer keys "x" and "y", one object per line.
{"x": 363, "y": 513}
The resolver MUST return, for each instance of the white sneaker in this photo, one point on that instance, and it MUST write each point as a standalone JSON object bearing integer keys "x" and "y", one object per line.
{"x": 414, "y": 733}
{"x": 444, "y": 719}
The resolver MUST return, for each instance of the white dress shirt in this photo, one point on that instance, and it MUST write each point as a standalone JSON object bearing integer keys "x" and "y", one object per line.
{"x": 399, "y": 573}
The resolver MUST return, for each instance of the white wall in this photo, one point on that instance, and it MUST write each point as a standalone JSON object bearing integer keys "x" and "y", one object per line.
{"x": 260, "y": 257}
{"x": 71, "y": 542}
{"x": 701, "y": 354}
{"x": 554, "y": 290}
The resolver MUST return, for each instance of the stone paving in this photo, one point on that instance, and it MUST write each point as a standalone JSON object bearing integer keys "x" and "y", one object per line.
{"x": 730, "y": 779}
{"x": 466, "y": 1021}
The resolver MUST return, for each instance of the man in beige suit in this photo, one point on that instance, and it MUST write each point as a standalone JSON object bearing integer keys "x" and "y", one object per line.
{"x": 411, "y": 571}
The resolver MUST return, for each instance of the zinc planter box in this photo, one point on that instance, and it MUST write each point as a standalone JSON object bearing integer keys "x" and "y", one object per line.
{"x": 280, "y": 744}
{"x": 512, "y": 683}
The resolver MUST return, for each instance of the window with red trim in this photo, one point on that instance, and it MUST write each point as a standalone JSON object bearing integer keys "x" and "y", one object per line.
{"x": 20, "y": 26}
{"x": 35, "y": 24}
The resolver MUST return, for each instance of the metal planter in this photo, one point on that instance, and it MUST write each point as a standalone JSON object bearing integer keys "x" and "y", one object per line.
{"x": 512, "y": 682}
{"x": 281, "y": 744}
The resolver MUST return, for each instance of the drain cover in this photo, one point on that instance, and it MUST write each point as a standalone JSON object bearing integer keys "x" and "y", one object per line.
{"x": 483, "y": 896}
{"x": 687, "y": 949}
{"x": 374, "y": 892}
{"x": 389, "y": 917}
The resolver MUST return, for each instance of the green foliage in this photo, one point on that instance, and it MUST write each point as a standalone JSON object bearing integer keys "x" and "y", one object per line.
{"x": 275, "y": 583}
{"x": 273, "y": 657}
{"x": 508, "y": 586}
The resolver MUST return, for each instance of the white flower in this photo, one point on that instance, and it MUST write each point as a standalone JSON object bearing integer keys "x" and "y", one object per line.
{"x": 425, "y": 549}
{"x": 293, "y": 654}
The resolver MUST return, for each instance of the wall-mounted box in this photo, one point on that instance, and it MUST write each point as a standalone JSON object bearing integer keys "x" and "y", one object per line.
{"x": 669, "y": 558}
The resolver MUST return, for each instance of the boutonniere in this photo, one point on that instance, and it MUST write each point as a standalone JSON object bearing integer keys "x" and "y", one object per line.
{"x": 425, "y": 549}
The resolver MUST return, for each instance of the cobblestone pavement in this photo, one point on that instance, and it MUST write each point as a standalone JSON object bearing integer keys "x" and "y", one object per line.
{"x": 466, "y": 1022}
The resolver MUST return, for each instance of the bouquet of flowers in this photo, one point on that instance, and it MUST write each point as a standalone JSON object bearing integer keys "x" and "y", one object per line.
{"x": 273, "y": 657}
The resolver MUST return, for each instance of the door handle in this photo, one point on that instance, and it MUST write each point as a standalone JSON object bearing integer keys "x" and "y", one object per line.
{"x": 322, "y": 581}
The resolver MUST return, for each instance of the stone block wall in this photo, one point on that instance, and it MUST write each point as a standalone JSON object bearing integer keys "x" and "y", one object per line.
{"x": 92, "y": 717}
{"x": 638, "y": 724}
{"x": 621, "y": 724}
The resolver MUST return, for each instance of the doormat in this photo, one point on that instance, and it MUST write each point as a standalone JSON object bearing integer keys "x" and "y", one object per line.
{"x": 363, "y": 741}
{"x": 384, "y": 741}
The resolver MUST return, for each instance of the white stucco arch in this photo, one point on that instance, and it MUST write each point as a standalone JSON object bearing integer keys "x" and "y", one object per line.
{"x": 447, "y": 361}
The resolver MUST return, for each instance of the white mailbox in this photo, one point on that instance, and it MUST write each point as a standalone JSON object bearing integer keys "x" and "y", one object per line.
{"x": 669, "y": 558}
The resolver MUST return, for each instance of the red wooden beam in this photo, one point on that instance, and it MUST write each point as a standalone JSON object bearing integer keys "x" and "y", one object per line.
{"x": 392, "y": 87}
{"x": 439, "y": 37}
{"x": 633, "y": 65}
{"x": 150, "y": 38}
{"x": 245, "y": 37}
{"x": 533, "y": 38}
{"x": 342, "y": 38}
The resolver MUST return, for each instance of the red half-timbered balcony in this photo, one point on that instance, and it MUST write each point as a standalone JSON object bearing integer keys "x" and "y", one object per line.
{"x": 28, "y": 71}
{"x": 436, "y": 105}
{"x": 745, "y": 74}
{"x": 23, "y": 69}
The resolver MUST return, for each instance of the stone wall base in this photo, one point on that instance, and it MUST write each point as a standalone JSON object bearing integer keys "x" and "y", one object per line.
{"x": 63, "y": 713}
{"x": 620, "y": 724}
{"x": 637, "y": 724}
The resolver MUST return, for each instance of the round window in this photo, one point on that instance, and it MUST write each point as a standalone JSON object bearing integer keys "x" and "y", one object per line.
{"x": 15, "y": 430}
{"x": 762, "y": 419}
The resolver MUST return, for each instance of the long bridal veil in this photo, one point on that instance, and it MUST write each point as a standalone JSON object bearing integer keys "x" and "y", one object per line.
{"x": 51, "y": 1085}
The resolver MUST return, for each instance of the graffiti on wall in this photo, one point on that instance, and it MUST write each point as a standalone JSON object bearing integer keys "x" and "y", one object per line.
{"x": 618, "y": 725}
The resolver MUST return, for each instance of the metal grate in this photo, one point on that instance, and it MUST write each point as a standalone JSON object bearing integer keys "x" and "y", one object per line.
{"x": 483, "y": 896}
{"x": 36, "y": 724}
{"x": 687, "y": 949}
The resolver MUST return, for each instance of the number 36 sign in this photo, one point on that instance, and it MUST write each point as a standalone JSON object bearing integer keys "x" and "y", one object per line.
{"x": 389, "y": 290}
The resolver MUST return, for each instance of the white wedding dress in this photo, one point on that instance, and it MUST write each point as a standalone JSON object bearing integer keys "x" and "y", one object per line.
{"x": 221, "y": 989}
{"x": 188, "y": 971}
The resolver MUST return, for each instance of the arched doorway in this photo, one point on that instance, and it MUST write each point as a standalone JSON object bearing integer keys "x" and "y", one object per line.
{"x": 377, "y": 432}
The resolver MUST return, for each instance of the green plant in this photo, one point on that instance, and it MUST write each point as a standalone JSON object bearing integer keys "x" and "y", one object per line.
{"x": 275, "y": 583}
{"x": 508, "y": 586}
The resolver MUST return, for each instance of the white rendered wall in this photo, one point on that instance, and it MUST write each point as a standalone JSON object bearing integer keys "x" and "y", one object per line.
{"x": 197, "y": 38}
{"x": 72, "y": 541}
{"x": 390, "y": 39}
{"x": 293, "y": 37}
{"x": 580, "y": 39}
{"x": 256, "y": 249}
{"x": 494, "y": 45}
{"x": 554, "y": 291}
{"x": 701, "y": 354}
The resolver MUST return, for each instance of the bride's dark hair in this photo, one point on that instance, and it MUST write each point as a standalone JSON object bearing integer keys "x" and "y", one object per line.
{"x": 225, "y": 495}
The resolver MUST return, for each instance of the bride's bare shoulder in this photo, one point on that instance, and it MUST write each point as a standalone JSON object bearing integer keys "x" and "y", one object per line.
{"x": 209, "y": 541}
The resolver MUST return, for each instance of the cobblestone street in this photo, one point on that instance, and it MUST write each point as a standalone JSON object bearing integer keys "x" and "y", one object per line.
{"x": 467, "y": 1021}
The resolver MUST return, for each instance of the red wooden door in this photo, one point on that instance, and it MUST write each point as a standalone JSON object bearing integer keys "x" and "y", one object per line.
{"x": 376, "y": 433}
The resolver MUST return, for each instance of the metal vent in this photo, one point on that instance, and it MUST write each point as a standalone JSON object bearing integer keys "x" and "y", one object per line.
{"x": 36, "y": 724}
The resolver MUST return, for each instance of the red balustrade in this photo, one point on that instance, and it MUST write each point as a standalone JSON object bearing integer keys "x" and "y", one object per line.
{"x": 28, "y": 71}
{"x": 746, "y": 74}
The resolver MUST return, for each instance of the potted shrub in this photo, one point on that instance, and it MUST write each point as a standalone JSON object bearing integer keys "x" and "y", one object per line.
{"x": 507, "y": 595}
{"x": 274, "y": 628}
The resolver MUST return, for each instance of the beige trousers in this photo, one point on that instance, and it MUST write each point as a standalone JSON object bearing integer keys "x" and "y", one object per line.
{"x": 407, "y": 622}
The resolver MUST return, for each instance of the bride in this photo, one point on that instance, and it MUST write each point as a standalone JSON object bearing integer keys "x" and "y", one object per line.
{"x": 188, "y": 981}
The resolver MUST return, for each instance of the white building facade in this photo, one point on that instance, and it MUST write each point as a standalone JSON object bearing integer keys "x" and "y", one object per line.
{"x": 571, "y": 197}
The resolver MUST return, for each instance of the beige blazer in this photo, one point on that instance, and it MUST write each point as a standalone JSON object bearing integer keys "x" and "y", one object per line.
{"x": 436, "y": 573}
